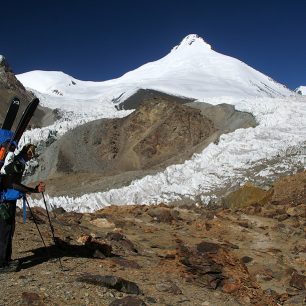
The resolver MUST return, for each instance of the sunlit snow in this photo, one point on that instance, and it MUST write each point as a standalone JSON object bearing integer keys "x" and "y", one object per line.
{"x": 301, "y": 90}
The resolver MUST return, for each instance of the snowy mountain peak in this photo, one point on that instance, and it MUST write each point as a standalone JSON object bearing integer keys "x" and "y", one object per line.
{"x": 193, "y": 40}
{"x": 192, "y": 69}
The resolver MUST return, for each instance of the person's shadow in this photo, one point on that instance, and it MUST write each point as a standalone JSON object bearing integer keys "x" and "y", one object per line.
{"x": 63, "y": 249}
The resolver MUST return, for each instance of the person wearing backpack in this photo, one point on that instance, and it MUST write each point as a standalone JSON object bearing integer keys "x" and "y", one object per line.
{"x": 11, "y": 190}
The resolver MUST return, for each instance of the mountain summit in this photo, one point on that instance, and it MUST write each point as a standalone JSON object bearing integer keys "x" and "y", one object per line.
{"x": 191, "y": 69}
{"x": 193, "y": 40}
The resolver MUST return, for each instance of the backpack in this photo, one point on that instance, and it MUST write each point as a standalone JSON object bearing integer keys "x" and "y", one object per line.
{"x": 5, "y": 139}
{"x": 5, "y": 135}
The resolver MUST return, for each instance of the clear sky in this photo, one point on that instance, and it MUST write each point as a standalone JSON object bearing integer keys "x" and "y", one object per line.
{"x": 99, "y": 40}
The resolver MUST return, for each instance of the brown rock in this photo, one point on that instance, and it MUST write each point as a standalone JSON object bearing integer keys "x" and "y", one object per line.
{"x": 98, "y": 254}
{"x": 110, "y": 281}
{"x": 168, "y": 286}
{"x": 208, "y": 247}
{"x": 204, "y": 269}
{"x": 246, "y": 259}
{"x": 246, "y": 196}
{"x": 126, "y": 263}
{"x": 103, "y": 223}
{"x": 71, "y": 218}
{"x": 128, "y": 301}
{"x": 84, "y": 239}
{"x": 283, "y": 217}
{"x": 299, "y": 210}
{"x": 161, "y": 214}
{"x": 96, "y": 245}
{"x": 230, "y": 287}
{"x": 297, "y": 300}
{"x": 121, "y": 244}
{"x": 31, "y": 298}
{"x": 290, "y": 189}
{"x": 244, "y": 223}
{"x": 298, "y": 281}
{"x": 167, "y": 254}
{"x": 211, "y": 265}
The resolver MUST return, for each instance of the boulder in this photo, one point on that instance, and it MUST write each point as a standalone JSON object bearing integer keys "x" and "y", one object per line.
{"x": 247, "y": 195}
{"x": 110, "y": 281}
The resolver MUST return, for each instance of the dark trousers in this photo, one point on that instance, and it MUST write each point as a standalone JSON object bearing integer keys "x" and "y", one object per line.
{"x": 7, "y": 229}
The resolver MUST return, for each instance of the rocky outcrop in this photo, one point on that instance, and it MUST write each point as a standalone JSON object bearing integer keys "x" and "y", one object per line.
{"x": 9, "y": 82}
{"x": 141, "y": 95}
{"x": 10, "y": 87}
{"x": 246, "y": 196}
{"x": 110, "y": 153}
{"x": 288, "y": 192}
{"x": 157, "y": 131}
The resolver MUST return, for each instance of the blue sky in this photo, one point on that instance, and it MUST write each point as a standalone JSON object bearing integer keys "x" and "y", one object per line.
{"x": 100, "y": 40}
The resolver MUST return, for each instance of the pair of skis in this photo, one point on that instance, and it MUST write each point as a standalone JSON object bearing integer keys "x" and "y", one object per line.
{"x": 21, "y": 127}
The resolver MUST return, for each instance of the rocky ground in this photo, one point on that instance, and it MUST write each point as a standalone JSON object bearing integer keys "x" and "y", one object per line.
{"x": 252, "y": 251}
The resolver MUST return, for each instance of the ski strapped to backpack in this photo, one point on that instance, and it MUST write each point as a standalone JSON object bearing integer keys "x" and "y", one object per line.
{"x": 25, "y": 119}
{"x": 5, "y": 131}
{"x": 13, "y": 138}
{"x": 11, "y": 114}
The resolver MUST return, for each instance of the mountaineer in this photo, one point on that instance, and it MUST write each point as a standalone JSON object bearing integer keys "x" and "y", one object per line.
{"x": 11, "y": 190}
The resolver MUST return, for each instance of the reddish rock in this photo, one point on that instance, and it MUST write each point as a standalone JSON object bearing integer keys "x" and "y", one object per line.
{"x": 230, "y": 287}
{"x": 211, "y": 265}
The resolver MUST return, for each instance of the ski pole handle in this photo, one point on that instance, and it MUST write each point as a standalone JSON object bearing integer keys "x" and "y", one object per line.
{"x": 40, "y": 188}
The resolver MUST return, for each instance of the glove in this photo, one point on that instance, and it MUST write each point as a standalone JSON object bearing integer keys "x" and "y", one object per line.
{"x": 40, "y": 187}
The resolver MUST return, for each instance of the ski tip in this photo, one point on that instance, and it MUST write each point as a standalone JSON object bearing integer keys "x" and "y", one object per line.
{"x": 16, "y": 100}
{"x": 35, "y": 101}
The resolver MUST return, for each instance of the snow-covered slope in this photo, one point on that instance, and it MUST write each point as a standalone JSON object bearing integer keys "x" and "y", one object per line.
{"x": 191, "y": 69}
{"x": 277, "y": 145}
{"x": 301, "y": 90}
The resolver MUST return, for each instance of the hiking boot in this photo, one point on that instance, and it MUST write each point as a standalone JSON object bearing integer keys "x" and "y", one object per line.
{"x": 11, "y": 266}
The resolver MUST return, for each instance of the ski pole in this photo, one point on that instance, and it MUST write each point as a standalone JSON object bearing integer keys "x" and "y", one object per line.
{"x": 34, "y": 219}
{"x": 52, "y": 229}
